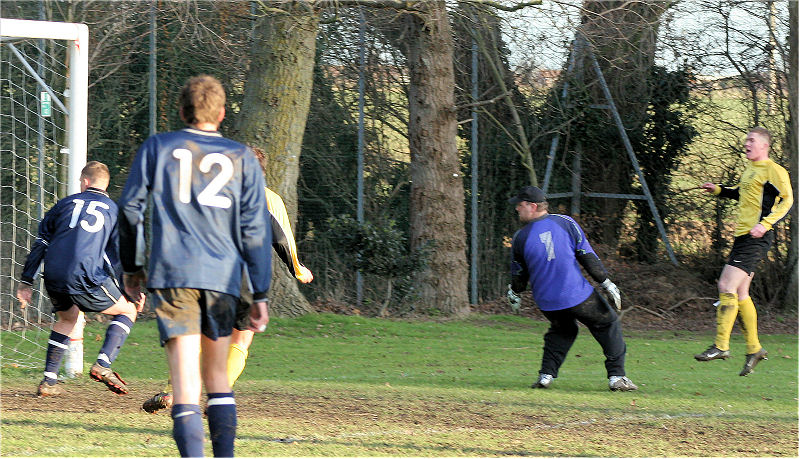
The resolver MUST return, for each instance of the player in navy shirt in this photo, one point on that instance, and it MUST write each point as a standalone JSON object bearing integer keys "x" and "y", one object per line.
{"x": 209, "y": 211}
{"x": 547, "y": 254}
{"x": 242, "y": 337}
{"x": 77, "y": 242}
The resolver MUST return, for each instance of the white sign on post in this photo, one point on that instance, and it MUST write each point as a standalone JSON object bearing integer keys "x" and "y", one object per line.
{"x": 45, "y": 103}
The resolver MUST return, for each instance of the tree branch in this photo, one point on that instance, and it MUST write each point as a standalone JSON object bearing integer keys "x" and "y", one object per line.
{"x": 483, "y": 102}
{"x": 410, "y": 5}
{"x": 498, "y": 6}
{"x": 688, "y": 300}
{"x": 650, "y": 311}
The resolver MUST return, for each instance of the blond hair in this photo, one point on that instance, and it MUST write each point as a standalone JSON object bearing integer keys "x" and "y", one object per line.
{"x": 763, "y": 132}
{"x": 97, "y": 174}
{"x": 202, "y": 99}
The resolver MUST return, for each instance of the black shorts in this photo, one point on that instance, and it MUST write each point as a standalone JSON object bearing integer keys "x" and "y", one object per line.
{"x": 747, "y": 251}
{"x": 190, "y": 311}
{"x": 98, "y": 299}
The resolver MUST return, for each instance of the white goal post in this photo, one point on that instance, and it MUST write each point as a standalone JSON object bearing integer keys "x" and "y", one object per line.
{"x": 44, "y": 81}
{"x": 77, "y": 36}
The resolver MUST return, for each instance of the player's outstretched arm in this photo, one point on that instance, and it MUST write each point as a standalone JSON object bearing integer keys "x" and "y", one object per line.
{"x": 708, "y": 186}
{"x": 305, "y": 275}
{"x": 283, "y": 238}
{"x": 34, "y": 261}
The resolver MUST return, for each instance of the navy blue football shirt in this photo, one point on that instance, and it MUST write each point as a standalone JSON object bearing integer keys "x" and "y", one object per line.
{"x": 77, "y": 241}
{"x": 209, "y": 214}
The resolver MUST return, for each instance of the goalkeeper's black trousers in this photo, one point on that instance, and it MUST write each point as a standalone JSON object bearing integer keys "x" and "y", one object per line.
{"x": 601, "y": 320}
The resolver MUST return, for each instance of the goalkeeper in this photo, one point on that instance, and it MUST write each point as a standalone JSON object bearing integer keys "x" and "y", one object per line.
{"x": 546, "y": 253}
{"x": 241, "y": 338}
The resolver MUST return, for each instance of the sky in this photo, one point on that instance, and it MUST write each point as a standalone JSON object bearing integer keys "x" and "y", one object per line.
{"x": 693, "y": 30}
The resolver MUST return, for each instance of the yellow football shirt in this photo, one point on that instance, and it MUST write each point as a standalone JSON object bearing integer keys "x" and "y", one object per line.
{"x": 764, "y": 193}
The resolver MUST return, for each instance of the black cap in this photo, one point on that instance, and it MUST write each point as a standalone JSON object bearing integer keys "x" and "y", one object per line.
{"x": 530, "y": 194}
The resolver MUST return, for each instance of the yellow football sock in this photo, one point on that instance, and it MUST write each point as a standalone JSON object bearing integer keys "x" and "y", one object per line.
{"x": 237, "y": 356}
{"x": 748, "y": 319}
{"x": 726, "y": 316}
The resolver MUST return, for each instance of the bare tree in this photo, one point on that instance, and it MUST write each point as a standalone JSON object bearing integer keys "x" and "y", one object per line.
{"x": 622, "y": 35}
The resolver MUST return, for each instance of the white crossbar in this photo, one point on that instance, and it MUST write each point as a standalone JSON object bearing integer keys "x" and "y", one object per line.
{"x": 78, "y": 36}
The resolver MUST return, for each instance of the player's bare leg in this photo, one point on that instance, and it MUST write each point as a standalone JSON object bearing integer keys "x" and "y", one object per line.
{"x": 732, "y": 279}
{"x": 183, "y": 357}
{"x": 125, "y": 308}
{"x": 66, "y": 321}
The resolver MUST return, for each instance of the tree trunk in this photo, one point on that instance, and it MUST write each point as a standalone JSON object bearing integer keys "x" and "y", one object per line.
{"x": 277, "y": 93}
{"x": 437, "y": 191}
{"x": 622, "y": 34}
{"x": 790, "y": 298}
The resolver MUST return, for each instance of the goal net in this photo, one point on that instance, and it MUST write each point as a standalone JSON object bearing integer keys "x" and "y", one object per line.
{"x": 43, "y": 138}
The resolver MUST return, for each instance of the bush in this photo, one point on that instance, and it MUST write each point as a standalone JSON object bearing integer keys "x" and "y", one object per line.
{"x": 380, "y": 249}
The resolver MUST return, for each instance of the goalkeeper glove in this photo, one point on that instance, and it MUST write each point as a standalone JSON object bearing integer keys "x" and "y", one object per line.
{"x": 613, "y": 293}
{"x": 514, "y": 300}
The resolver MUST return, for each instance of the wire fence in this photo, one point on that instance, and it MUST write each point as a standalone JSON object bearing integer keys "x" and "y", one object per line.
{"x": 32, "y": 170}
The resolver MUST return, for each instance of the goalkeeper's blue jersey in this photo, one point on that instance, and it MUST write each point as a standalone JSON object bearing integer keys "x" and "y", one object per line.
{"x": 545, "y": 252}
{"x": 77, "y": 241}
{"x": 209, "y": 214}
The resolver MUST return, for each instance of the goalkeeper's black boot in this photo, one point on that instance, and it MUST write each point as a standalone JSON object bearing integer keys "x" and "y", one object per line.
{"x": 751, "y": 360}
{"x": 712, "y": 353}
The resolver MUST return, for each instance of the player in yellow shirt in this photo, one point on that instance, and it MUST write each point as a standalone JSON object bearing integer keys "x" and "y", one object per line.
{"x": 284, "y": 244}
{"x": 764, "y": 193}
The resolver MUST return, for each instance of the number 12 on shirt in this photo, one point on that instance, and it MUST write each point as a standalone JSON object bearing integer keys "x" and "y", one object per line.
{"x": 209, "y": 196}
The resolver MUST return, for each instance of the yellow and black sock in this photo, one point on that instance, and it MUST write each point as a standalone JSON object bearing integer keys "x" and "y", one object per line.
{"x": 726, "y": 317}
{"x": 237, "y": 358}
{"x": 748, "y": 319}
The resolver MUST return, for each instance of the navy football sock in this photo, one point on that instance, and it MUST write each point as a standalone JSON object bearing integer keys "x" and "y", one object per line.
{"x": 222, "y": 423}
{"x": 116, "y": 334}
{"x": 57, "y": 345}
{"x": 187, "y": 430}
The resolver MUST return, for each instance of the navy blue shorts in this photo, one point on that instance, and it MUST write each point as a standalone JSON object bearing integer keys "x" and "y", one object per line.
{"x": 243, "y": 308}
{"x": 191, "y": 311}
{"x": 747, "y": 251}
{"x": 98, "y": 299}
